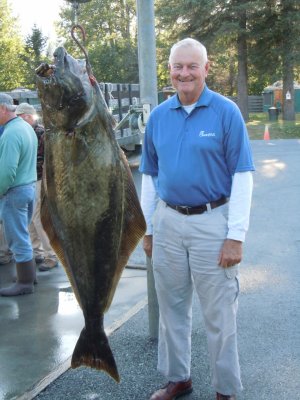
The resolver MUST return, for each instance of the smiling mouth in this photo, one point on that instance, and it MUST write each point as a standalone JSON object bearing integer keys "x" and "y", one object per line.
{"x": 189, "y": 79}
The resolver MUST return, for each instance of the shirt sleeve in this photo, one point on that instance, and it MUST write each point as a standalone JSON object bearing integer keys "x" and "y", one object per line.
{"x": 149, "y": 199}
{"x": 239, "y": 205}
{"x": 9, "y": 159}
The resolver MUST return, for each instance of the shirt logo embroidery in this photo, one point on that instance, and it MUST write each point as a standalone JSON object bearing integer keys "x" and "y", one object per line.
{"x": 208, "y": 134}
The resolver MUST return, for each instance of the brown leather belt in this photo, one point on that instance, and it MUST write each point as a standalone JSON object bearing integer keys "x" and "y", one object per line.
{"x": 198, "y": 209}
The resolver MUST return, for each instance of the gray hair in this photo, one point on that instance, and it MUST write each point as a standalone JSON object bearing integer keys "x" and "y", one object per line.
{"x": 7, "y": 102}
{"x": 189, "y": 42}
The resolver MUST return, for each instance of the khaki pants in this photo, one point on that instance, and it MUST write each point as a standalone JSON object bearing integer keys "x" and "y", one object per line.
{"x": 39, "y": 238}
{"x": 185, "y": 259}
{"x": 5, "y": 253}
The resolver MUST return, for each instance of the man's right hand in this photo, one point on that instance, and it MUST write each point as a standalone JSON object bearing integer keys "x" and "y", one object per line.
{"x": 147, "y": 245}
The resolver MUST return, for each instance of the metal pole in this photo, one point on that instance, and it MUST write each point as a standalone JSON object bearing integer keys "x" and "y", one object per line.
{"x": 147, "y": 52}
{"x": 148, "y": 96}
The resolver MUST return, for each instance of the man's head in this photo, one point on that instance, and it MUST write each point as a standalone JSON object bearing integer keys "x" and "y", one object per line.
{"x": 188, "y": 65}
{"x": 27, "y": 112}
{"x": 7, "y": 108}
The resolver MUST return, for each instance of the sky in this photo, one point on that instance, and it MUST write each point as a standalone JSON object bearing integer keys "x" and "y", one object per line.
{"x": 40, "y": 12}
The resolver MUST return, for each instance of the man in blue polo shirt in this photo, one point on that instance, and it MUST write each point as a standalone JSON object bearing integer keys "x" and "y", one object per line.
{"x": 197, "y": 163}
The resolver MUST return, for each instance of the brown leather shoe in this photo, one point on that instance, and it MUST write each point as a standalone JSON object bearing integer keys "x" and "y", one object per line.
{"x": 173, "y": 390}
{"x": 225, "y": 397}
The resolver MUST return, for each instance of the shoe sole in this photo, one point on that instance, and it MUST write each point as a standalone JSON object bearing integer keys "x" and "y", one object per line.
{"x": 21, "y": 293}
{"x": 14, "y": 280}
{"x": 187, "y": 391}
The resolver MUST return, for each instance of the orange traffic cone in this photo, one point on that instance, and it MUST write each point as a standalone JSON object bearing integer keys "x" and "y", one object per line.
{"x": 266, "y": 133}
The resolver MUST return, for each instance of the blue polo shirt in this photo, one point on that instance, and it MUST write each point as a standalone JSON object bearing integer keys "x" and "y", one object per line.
{"x": 194, "y": 156}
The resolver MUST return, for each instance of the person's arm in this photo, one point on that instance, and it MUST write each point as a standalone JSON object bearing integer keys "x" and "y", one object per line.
{"x": 8, "y": 162}
{"x": 238, "y": 219}
{"x": 149, "y": 200}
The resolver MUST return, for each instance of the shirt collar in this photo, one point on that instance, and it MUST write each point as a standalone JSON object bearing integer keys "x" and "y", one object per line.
{"x": 12, "y": 119}
{"x": 203, "y": 100}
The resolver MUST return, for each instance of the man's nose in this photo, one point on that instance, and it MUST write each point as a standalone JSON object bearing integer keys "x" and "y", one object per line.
{"x": 185, "y": 70}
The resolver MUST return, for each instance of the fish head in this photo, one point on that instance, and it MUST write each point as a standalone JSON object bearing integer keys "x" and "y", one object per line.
{"x": 65, "y": 90}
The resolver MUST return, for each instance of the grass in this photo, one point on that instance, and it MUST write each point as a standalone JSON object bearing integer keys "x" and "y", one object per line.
{"x": 277, "y": 129}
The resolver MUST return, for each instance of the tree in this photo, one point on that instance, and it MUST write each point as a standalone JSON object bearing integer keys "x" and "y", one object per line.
{"x": 290, "y": 38}
{"x": 251, "y": 43}
{"x": 275, "y": 46}
{"x": 242, "y": 54}
{"x": 208, "y": 21}
{"x": 111, "y": 39}
{"x": 11, "y": 48}
{"x": 35, "y": 43}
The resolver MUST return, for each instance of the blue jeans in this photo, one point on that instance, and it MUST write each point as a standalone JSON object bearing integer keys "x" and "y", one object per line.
{"x": 16, "y": 209}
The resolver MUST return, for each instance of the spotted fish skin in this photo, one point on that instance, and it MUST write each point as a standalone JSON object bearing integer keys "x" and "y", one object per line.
{"x": 89, "y": 206}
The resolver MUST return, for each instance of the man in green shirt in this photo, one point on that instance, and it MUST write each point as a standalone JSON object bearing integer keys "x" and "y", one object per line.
{"x": 18, "y": 154}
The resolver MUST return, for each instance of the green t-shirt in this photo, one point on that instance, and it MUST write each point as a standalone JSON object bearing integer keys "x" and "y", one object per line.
{"x": 18, "y": 154}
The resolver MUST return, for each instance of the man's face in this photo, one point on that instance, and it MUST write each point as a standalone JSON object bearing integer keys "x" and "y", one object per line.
{"x": 28, "y": 118}
{"x": 188, "y": 73}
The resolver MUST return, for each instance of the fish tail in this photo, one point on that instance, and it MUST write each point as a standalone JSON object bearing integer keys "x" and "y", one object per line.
{"x": 92, "y": 349}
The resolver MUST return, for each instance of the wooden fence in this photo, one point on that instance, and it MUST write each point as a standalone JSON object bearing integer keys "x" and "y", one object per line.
{"x": 255, "y": 103}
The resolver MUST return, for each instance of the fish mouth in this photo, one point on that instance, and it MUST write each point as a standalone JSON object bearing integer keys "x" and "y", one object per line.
{"x": 64, "y": 89}
{"x": 47, "y": 73}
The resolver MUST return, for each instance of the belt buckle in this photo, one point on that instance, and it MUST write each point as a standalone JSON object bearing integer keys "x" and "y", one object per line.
{"x": 183, "y": 209}
{"x": 186, "y": 208}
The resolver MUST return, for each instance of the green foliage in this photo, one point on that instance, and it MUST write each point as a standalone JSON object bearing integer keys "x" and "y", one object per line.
{"x": 217, "y": 24}
{"x": 111, "y": 40}
{"x": 115, "y": 63}
{"x": 11, "y": 50}
{"x": 271, "y": 32}
{"x": 35, "y": 43}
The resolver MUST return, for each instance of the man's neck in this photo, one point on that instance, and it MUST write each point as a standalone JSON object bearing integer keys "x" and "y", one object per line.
{"x": 9, "y": 116}
{"x": 190, "y": 98}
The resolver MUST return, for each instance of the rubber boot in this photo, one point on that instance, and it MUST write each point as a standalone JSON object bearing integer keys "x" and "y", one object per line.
{"x": 25, "y": 280}
{"x": 35, "y": 282}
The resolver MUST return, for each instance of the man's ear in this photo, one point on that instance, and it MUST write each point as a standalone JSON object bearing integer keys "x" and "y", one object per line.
{"x": 207, "y": 66}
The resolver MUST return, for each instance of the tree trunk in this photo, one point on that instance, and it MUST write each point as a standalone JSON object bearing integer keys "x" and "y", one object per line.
{"x": 242, "y": 79}
{"x": 288, "y": 92}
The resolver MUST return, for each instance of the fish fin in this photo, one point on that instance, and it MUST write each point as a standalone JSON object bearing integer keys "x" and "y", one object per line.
{"x": 92, "y": 350}
{"x": 48, "y": 224}
{"x": 52, "y": 236}
{"x": 134, "y": 221}
{"x": 134, "y": 227}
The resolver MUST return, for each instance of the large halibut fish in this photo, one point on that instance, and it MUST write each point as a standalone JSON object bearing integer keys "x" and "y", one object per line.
{"x": 90, "y": 208}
